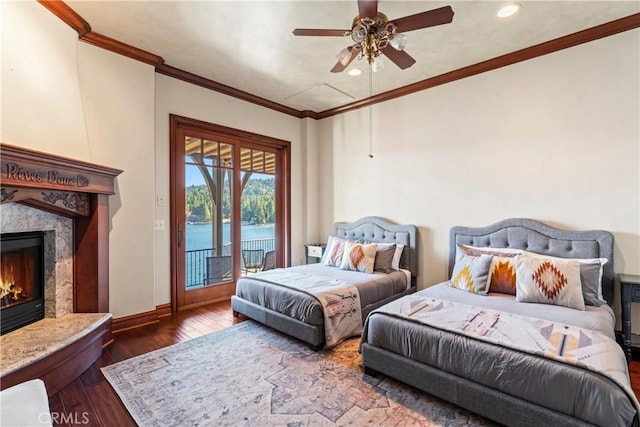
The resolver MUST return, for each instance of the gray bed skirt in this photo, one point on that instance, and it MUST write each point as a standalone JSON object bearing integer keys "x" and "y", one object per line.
{"x": 467, "y": 394}
{"x": 311, "y": 334}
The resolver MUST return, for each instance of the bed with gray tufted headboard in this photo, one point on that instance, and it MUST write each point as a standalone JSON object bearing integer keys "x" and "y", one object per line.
{"x": 519, "y": 363}
{"x": 271, "y": 298}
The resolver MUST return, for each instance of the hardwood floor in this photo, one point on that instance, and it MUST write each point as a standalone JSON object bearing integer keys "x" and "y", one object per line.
{"x": 90, "y": 400}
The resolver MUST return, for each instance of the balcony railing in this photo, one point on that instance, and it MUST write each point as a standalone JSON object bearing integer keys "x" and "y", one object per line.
{"x": 196, "y": 260}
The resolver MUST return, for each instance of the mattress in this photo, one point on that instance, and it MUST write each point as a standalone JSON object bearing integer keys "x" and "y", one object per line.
{"x": 304, "y": 307}
{"x": 598, "y": 400}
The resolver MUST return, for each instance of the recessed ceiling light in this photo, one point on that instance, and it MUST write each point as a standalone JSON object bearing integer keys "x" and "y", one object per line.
{"x": 355, "y": 72}
{"x": 508, "y": 10}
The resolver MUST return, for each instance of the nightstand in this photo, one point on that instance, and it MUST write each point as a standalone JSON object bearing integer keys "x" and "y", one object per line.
{"x": 630, "y": 292}
{"x": 313, "y": 252}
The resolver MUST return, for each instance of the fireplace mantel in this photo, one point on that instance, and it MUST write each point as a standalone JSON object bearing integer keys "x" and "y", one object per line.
{"x": 75, "y": 189}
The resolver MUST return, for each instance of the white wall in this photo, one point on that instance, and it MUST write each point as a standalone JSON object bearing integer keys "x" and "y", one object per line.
{"x": 118, "y": 99}
{"x": 69, "y": 98}
{"x": 184, "y": 99}
{"x": 555, "y": 138}
{"x": 39, "y": 71}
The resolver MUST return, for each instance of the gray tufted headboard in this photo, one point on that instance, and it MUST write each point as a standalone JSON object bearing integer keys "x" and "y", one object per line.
{"x": 378, "y": 230}
{"x": 534, "y": 236}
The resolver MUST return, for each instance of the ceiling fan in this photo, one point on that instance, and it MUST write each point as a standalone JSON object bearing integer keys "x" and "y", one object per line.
{"x": 372, "y": 32}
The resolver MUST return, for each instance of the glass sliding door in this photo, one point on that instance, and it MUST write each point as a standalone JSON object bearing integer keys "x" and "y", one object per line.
{"x": 229, "y": 209}
{"x": 208, "y": 220}
{"x": 258, "y": 213}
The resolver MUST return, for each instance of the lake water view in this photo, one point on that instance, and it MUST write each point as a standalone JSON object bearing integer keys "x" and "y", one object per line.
{"x": 199, "y": 246}
{"x": 199, "y": 235}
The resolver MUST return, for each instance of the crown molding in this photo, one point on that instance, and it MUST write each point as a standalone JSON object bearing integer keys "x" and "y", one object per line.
{"x": 67, "y": 15}
{"x": 590, "y": 34}
{"x": 82, "y": 27}
{"x": 123, "y": 49}
{"x": 75, "y": 21}
{"x": 195, "y": 79}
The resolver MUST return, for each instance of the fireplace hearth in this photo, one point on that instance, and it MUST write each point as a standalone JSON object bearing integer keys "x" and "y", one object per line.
{"x": 21, "y": 279}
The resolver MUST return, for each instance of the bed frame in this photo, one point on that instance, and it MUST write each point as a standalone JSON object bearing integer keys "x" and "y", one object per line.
{"x": 513, "y": 233}
{"x": 371, "y": 229}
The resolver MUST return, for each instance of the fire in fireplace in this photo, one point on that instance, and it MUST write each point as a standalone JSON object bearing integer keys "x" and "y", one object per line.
{"x": 21, "y": 279}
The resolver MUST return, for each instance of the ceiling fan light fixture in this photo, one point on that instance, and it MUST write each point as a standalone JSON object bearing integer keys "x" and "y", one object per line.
{"x": 344, "y": 56}
{"x": 355, "y": 72}
{"x": 509, "y": 10}
{"x": 398, "y": 41}
{"x": 359, "y": 32}
{"x": 377, "y": 64}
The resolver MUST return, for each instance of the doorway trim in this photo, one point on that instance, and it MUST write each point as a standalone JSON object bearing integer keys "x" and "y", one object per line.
{"x": 283, "y": 203}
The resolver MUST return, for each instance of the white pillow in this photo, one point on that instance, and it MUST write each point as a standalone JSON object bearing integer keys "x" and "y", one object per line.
{"x": 479, "y": 250}
{"x": 395, "y": 263}
{"x": 333, "y": 254}
{"x": 327, "y": 249}
{"x": 549, "y": 281}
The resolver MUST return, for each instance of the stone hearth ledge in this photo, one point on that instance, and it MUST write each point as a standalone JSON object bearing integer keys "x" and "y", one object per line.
{"x": 38, "y": 340}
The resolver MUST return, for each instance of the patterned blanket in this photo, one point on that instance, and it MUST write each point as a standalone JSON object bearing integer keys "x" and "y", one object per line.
{"x": 340, "y": 301}
{"x": 566, "y": 343}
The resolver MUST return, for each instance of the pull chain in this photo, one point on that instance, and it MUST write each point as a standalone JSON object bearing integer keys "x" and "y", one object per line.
{"x": 370, "y": 113}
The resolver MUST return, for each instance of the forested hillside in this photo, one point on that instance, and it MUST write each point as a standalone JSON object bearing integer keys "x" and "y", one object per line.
{"x": 258, "y": 203}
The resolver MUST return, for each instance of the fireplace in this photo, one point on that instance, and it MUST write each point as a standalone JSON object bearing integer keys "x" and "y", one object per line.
{"x": 21, "y": 279}
{"x": 60, "y": 207}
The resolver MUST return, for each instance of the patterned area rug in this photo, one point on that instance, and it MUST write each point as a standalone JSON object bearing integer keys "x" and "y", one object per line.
{"x": 250, "y": 375}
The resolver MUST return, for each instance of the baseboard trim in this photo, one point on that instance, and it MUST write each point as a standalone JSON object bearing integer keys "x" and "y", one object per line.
{"x": 138, "y": 320}
{"x": 164, "y": 310}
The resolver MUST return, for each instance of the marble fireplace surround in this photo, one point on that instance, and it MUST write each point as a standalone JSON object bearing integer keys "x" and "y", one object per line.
{"x": 58, "y": 252}
{"x": 68, "y": 200}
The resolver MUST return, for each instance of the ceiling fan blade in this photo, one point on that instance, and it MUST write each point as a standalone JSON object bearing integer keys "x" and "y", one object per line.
{"x": 431, "y": 18}
{"x": 340, "y": 67}
{"x": 399, "y": 57}
{"x": 320, "y": 32}
{"x": 368, "y": 8}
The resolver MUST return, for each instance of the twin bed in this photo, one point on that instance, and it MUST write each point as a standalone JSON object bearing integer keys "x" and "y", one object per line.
{"x": 515, "y": 362}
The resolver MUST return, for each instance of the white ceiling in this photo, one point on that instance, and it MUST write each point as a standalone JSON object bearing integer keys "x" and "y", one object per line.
{"x": 248, "y": 45}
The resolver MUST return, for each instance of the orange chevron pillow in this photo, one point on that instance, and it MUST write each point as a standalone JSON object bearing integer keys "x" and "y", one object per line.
{"x": 503, "y": 275}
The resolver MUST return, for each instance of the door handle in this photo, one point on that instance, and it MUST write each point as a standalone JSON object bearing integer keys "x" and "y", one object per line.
{"x": 180, "y": 234}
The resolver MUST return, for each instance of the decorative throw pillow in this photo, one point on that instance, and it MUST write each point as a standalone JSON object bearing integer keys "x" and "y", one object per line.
{"x": 471, "y": 273}
{"x": 591, "y": 270}
{"x": 384, "y": 257}
{"x": 549, "y": 281}
{"x": 502, "y": 275}
{"x": 358, "y": 257}
{"x": 395, "y": 264}
{"x": 327, "y": 248}
{"x": 502, "y": 278}
{"x": 334, "y": 252}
